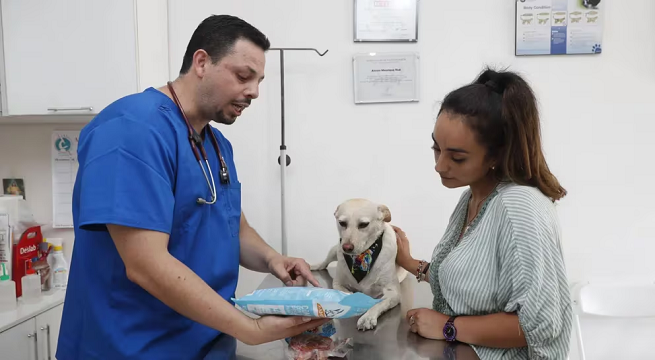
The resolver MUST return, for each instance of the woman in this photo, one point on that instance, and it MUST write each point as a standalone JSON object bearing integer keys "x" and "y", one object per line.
{"x": 497, "y": 275}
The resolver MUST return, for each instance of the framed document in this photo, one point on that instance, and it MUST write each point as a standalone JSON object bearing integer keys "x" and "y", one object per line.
{"x": 385, "y": 20}
{"x": 386, "y": 77}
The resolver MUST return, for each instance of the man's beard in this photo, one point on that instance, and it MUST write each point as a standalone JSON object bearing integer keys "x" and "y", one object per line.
{"x": 220, "y": 118}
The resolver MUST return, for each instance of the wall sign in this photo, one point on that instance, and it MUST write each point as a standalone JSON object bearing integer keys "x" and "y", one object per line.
{"x": 559, "y": 27}
{"x": 64, "y": 171}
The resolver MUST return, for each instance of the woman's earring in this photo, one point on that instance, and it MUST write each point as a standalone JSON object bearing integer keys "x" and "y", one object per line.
{"x": 493, "y": 168}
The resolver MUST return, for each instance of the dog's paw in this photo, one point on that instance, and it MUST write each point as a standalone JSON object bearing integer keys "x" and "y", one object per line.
{"x": 317, "y": 267}
{"x": 367, "y": 322}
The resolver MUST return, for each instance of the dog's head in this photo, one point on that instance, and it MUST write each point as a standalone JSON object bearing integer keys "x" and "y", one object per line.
{"x": 360, "y": 222}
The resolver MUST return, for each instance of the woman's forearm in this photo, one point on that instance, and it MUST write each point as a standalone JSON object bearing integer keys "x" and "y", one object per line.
{"x": 501, "y": 330}
{"x": 411, "y": 265}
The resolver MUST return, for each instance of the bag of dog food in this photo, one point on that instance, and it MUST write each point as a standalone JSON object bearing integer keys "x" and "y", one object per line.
{"x": 306, "y": 301}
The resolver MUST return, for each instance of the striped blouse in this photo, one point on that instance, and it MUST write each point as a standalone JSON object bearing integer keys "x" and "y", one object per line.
{"x": 509, "y": 260}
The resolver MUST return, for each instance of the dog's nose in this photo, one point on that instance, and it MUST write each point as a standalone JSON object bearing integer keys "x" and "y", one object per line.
{"x": 347, "y": 247}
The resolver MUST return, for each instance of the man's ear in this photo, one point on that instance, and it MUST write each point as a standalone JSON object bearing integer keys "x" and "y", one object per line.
{"x": 384, "y": 212}
{"x": 200, "y": 59}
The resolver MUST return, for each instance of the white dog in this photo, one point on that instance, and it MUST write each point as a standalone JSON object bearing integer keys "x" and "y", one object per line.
{"x": 366, "y": 257}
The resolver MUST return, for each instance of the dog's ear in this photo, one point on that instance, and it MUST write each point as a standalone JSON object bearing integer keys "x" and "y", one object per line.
{"x": 336, "y": 211}
{"x": 385, "y": 214}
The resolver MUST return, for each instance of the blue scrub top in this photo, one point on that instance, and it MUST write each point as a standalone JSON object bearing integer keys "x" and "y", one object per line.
{"x": 137, "y": 169}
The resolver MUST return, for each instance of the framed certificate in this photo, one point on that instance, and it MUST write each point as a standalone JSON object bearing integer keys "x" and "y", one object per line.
{"x": 386, "y": 77}
{"x": 385, "y": 20}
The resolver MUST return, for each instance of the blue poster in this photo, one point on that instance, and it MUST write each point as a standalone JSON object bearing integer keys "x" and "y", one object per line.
{"x": 558, "y": 27}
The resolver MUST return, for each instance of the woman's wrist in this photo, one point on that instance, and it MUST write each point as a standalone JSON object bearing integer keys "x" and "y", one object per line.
{"x": 422, "y": 270}
{"x": 409, "y": 264}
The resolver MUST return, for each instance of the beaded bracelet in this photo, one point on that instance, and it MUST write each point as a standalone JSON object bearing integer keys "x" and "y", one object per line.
{"x": 421, "y": 270}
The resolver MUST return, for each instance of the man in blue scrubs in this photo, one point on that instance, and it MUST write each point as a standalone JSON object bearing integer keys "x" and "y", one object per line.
{"x": 154, "y": 267}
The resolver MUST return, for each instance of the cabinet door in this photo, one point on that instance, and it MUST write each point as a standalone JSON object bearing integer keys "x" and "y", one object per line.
{"x": 67, "y": 56}
{"x": 47, "y": 327}
{"x": 19, "y": 342}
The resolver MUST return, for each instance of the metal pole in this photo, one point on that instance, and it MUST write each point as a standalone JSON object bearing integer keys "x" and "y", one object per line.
{"x": 283, "y": 149}
{"x": 283, "y": 161}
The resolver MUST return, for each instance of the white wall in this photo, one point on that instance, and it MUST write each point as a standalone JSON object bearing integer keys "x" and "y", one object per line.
{"x": 25, "y": 153}
{"x": 152, "y": 42}
{"x": 597, "y": 117}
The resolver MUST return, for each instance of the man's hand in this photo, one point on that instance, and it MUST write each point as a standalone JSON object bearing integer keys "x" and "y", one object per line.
{"x": 292, "y": 271}
{"x": 427, "y": 323}
{"x": 270, "y": 328}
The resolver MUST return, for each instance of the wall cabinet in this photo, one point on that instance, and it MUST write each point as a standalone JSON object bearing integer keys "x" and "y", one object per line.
{"x": 70, "y": 57}
{"x": 67, "y": 56}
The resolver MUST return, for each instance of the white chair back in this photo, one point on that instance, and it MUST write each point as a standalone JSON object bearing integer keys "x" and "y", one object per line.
{"x": 622, "y": 300}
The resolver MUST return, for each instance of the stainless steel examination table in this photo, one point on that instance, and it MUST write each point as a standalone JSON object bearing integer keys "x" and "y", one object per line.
{"x": 391, "y": 340}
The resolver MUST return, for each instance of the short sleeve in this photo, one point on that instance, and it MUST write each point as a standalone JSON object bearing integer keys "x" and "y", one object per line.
{"x": 126, "y": 176}
{"x": 533, "y": 272}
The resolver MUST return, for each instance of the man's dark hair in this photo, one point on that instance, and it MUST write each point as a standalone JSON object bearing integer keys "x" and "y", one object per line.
{"x": 217, "y": 35}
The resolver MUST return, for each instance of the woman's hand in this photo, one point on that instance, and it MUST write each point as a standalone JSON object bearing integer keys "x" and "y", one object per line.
{"x": 427, "y": 323}
{"x": 403, "y": 255}
{"x": 292, "y": 271}
{"x": 269, "y": 328}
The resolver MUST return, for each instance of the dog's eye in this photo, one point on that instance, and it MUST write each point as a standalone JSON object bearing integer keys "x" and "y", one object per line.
{"x": 362, "y": 225}
{"x": 343, "y": 224}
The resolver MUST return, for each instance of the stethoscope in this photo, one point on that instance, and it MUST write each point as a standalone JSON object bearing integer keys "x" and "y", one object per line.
{"x": 196, "y": 142}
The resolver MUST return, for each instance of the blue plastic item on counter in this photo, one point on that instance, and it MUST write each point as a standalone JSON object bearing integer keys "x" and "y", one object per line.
{"x": 306, "y": 301}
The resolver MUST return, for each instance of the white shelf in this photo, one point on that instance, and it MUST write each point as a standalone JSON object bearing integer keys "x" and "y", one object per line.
{"x": 45, "y": 119}
{"x": 23, "y": 312}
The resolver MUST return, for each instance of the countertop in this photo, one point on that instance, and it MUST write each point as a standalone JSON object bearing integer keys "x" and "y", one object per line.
{"x": 9, "y": 319}
{"x": 390, "y": 340}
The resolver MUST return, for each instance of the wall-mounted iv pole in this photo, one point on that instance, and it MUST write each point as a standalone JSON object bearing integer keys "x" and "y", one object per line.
{"x": 283, "y": 146}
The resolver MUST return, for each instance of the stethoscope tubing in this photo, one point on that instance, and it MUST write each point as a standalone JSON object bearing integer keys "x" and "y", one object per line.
{"x": 194, "y": 140}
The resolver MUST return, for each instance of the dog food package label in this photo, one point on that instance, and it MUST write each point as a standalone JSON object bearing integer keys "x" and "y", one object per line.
{"x": 306, "y": 301}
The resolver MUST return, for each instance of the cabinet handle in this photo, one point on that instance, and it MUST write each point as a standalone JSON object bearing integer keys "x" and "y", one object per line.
{"x": 47, "y": 330}
{"x": 36, "y": 345}
{"x": 83, "y": 108}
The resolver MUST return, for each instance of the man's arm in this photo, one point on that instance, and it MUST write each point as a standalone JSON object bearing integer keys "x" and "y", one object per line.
{"x": 255, "y": 253}
{"x": 149, "y": 264}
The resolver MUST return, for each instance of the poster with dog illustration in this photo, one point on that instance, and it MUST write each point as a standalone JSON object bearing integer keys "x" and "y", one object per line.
{"x": 558, "y": 27}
